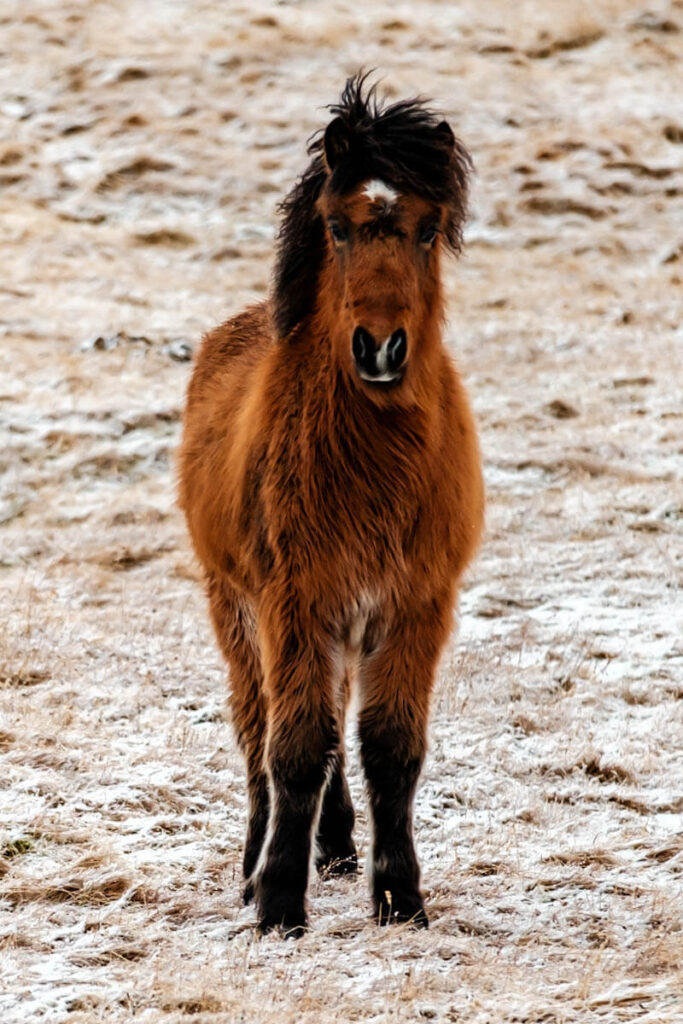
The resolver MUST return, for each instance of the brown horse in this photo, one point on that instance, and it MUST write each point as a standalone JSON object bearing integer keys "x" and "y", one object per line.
{"x": 331, "y": 481}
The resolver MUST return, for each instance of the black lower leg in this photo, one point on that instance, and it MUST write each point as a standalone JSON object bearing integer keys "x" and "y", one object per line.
{"x": 281, "y": 884}
{"x": 391, "y": 783}
{"x": 335, "y": 848}
{"x": 257, "y": 786}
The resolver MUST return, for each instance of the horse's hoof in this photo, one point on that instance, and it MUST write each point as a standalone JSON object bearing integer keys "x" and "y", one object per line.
{"x": 406, "y": 910}
{"x": 277, "y": 909}
{"x": 289, "y": 929}
{"x": 329, "y": 864}
{"x": 418, "y": 919}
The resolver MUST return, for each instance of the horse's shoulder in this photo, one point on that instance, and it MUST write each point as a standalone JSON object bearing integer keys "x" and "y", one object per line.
{"x": 246, "y": 335}
{"x": 455, "y": 403}
{"x": 461, "y": 483}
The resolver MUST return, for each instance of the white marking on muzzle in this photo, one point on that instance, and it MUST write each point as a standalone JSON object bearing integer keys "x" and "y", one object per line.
{"x": 384, "y": 378}
{"x": 383, "y": 375}
{"x": 381, "y": 357}
{"x": 377, "y": 189}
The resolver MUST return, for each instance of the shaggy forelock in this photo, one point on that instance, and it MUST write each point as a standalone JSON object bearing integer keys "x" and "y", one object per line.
{"x": 401, "y": 144}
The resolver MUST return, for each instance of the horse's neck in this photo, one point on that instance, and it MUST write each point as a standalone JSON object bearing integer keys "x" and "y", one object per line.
{"x": 392, "y": 446}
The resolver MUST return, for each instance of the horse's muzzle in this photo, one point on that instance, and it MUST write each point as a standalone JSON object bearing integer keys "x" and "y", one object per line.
{"x": 379, "y": 364}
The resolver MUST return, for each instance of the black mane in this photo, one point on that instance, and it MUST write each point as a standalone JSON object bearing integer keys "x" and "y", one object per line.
{"x": 404, "y": 144}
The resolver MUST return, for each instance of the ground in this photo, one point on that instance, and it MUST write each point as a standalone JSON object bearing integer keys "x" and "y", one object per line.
{"x": 143, "y": 149}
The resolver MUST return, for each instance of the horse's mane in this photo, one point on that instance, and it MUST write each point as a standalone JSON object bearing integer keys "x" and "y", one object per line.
{"x": 404, "y": 144}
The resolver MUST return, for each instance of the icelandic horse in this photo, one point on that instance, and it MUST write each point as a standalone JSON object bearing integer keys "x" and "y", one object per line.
{"x": 331, "y": 481}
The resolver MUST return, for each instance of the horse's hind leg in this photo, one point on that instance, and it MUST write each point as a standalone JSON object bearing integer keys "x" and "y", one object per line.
{"x": 236, "y": 631}
{"x": 335, "y": 849}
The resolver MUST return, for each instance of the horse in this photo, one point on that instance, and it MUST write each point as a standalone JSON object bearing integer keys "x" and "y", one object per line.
{"x": 330, "y": 478}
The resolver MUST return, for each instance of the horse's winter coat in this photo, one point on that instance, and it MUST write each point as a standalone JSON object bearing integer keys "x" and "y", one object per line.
{"x": 331, "y": 482}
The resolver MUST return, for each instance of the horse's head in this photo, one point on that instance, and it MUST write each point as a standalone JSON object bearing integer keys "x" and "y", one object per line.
{"x": 363, "y": 232}
{"x": 384, "y": 248}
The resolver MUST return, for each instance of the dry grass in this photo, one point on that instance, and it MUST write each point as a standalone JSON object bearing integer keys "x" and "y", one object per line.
{"x": 143, "y": 150}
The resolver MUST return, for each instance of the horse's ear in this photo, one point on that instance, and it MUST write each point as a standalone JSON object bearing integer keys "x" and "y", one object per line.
{"x": 445, "y": 135}
{"x": 336, "y": 142}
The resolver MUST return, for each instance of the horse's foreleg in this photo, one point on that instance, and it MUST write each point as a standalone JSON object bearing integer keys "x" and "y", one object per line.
{"x": 335, "y": 850}
{"x": 302, "y": 749}
{"x": 236, "y": 630}
{"x": 396, "y": 683}
{"x": 249, "y": 719}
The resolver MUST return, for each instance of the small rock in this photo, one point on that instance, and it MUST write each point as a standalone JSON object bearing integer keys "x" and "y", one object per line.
{"x": 16, "y": 109}
{"x": 673, "y": 133}
{"x": 109, "y": 342}
{"x": 179, "y": 350}
{"x": 560, "y": 409}
{"x": 165, "y": 236}
{"x": 102, "y": 344}
{"x": 649, "y": 21}
{"x": 132, "y": 74}
{"x": 11, "y": 155}
{"x": 673, "y": 255}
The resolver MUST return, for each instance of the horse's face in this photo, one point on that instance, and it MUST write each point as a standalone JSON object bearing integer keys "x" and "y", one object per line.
{"x": 384, "y": 248}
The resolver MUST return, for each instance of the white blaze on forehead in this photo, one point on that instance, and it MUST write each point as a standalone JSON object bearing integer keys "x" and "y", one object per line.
{"x": 377, "y": 189}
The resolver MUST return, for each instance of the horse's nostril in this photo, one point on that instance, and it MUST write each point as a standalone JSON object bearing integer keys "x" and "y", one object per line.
{"x": 379, "y": 363}
{"x": 397, "y": 350}
{"x": 363, "y": 346}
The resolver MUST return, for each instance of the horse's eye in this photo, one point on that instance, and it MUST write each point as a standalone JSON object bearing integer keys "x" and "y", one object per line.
{"x": 428, "y": 235}
{"x": 337, "y": 232}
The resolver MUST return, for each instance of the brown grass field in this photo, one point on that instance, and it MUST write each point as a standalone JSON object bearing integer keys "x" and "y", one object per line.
{"x": 143, "y": 149}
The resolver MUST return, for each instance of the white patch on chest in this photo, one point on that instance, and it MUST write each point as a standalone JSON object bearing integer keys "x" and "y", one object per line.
{"x": 377, "y": 189}
{"x": 361, "y": 611}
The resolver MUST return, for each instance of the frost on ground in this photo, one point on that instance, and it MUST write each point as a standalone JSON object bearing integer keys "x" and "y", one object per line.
{"x": 143, "y": 149}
